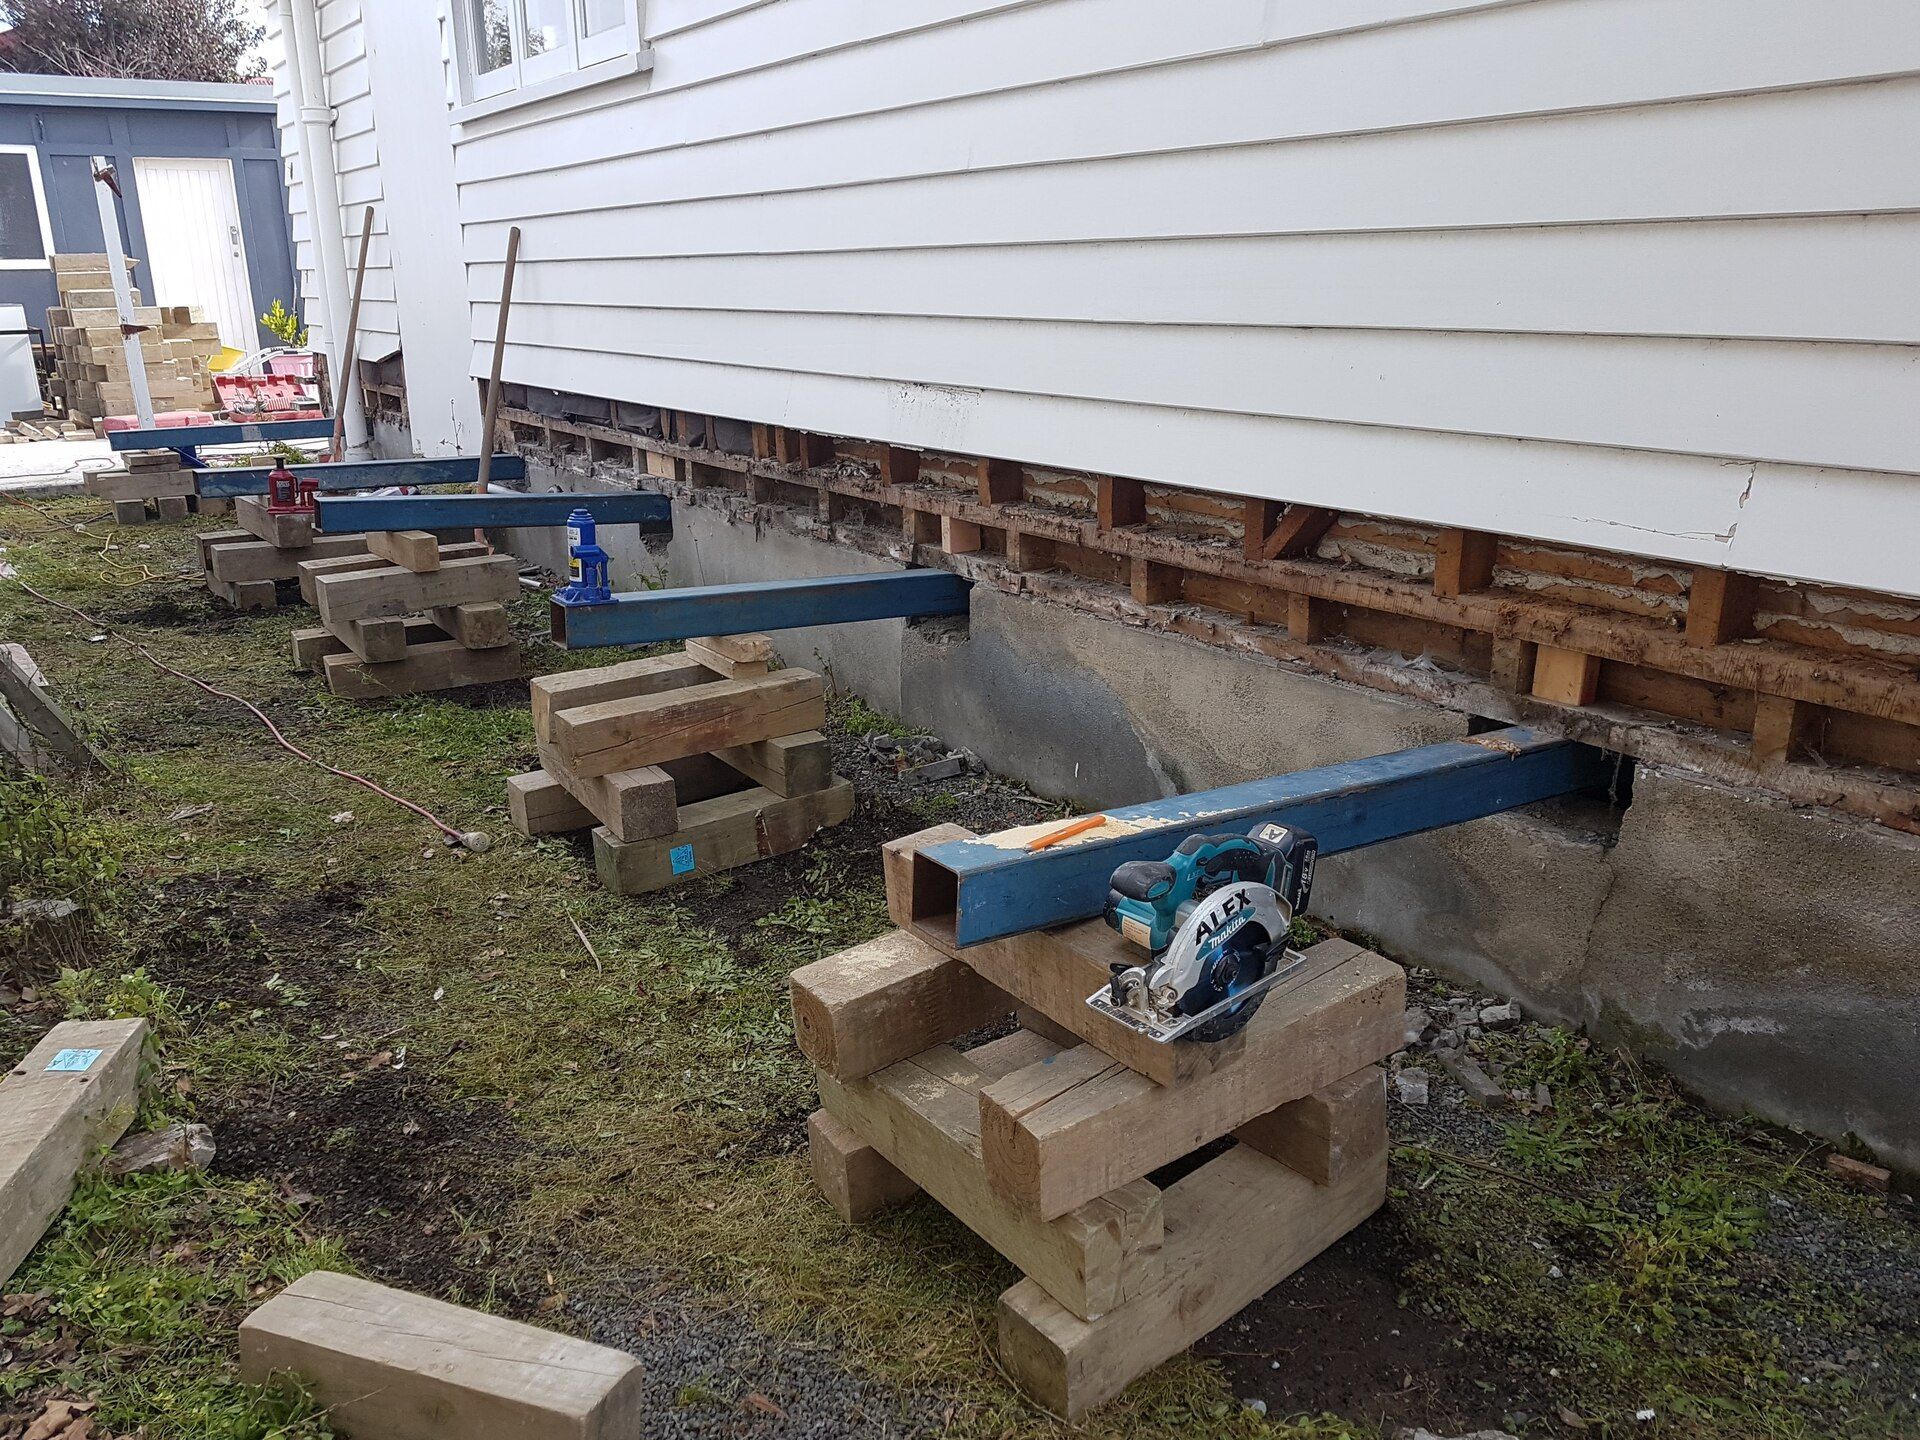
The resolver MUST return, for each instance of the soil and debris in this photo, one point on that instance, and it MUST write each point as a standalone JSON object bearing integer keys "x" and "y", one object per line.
{"x": 482, "y": 1078}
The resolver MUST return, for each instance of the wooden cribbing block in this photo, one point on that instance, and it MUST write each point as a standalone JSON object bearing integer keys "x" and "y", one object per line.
{"x": 646, "y": 729}
{"x": 146, "y": 483}
{"x": 415, "y": 550}
{"x": 245, "y": 594}
{"x": 258, "y": 560}
{"x": 1060, "y": 1133}
{"x": 733, "y": 657}
{"x": 856, "y": 1178}
{"x": 312, "y": 646}
{"x": 1566, "y": 677}
{"x": 436, "y": 665}
{"x": 370, "y": 594}
{"x": 478, "y": 627}
{"x": 74, "y": 1094}
{"x": 923, "y": 1115}
{"x": 378, "y": 641}
{"x": 538, "y": 804}
{"x": 171, "y": 507}
{"x": 885, "y": 1001}
{"x": 574, "y": 688}
{"x": 395, "y": 1366}
{"x": 718, "y": 834}
{"x": 637, "y": 804}
{"x": 348, "y": 564}
{"x": 1235, "y": 1228}
{"x": 207, "y": 539}
{"x": 786, "y": 764}
{"x": 129, "y": 512}
{"x": 1325, "y": 1134}
{"x": 283, "y": 530}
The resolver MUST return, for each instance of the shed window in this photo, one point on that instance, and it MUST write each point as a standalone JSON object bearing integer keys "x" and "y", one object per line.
{"x": 538, "y": 47}
{"x": 26, "y": 239}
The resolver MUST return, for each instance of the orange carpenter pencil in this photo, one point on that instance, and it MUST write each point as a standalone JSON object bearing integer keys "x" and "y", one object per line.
{"x": 1066, "y": 831}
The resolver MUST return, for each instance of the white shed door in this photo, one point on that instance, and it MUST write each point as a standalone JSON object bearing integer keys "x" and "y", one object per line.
{"x": 195, "y": 253}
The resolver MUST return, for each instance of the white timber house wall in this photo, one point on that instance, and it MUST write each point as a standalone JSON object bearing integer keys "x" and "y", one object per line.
{"x": 1640, "y": 275}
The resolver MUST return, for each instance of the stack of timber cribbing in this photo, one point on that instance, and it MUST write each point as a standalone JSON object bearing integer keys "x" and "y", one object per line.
{"x": 408, "y": 615}
{"x": 90, "y": 353}
{"x": 1040, "y": 1141}
{"x": 684, "y": 764}
{"x": 243, "y": 566}
{"x": 146, "y": 477}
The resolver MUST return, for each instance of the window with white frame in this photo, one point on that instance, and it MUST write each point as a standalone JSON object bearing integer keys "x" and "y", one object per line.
{"x": 540, "y": 46}
{"x": 26, "y": 237}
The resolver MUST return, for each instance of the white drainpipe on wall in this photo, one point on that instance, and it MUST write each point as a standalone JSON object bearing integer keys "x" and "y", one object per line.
{"x": 306, "y": 82}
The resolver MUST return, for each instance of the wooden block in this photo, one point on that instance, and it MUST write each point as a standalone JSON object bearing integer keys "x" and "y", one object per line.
{"x": 1565, "y": 676}
{"x": 1306, "y": 618}
{"x": 959, "y": 537}
{"x": 1057, "y": 1135}
{"x": 734, "y": 657}
{"x": 74, "y": 1094}
{"x": 664, "y": 467}
{"x": 478, "y": 627}
{"x": 415, "y": 550}
{"x": 918, "y": 892}
{"x": 923, "y": 1115}
{"x": 437, "y": 665}
{"x": 311, "y": 647}
{"x": 146, "y": 483}
{"x": 211, "y": 505}
{"x": 245, "y": 594}
{"x": 129, "y": 512}
{"x": 1028, "y": 1018}
{"x": 370, "y": 594}
{"x": 538, "y": 804}
{"x": 786, "y": 764}
{"x": 1720, "y": 606}
{"x": 574, "y": 689}
{"x": 263, "y": 560}
{"x": 395, "y": 1366}
{"x": 1513, "y": 661}
{"x": 1154, "y": 583}
{"x": 1782, "y": 728}
{"x": 347, "y": 564}
{"x": 1462, "y": 562}
{"x": 1325, "y": 1134}
{"x": 719, "y": 834}
{"x": 1119, "y": 501}
{"x": 885, "y": 1001}
{"x": 207, "y": 539}
{"x": 646, "y": 729}
{"x": 856, "y": 1178}
{"x": 283, "y": 531}
{"x": 1235, "y": 1228}
{"x": 171, "y": 507}
{"x": 378, "y": 641}
{"x": 638, "y": 804}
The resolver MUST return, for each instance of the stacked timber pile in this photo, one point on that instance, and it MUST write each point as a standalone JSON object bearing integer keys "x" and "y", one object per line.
{"x": 244, "y": 566}
{"x": 90, "y": 357}
{"x": 1039, "y": 1141}
{"x": 146, "y": 478}
{"x": 409, "y": 615}
{"x": 683, "y": 765}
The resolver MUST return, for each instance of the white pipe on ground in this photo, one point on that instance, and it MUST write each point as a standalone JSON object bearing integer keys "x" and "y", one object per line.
{"x": 306, "y": 83}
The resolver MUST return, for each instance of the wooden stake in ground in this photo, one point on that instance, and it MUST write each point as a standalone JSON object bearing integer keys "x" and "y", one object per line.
{"x": 347, "y": 362}
{"x": 493, "y": 376}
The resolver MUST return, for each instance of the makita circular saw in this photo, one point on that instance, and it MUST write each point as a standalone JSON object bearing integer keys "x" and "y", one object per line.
{"x": 1214, "y": 918}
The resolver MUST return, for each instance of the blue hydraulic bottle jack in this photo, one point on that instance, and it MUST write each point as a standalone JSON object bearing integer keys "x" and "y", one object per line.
{"x": 586, "y": 565}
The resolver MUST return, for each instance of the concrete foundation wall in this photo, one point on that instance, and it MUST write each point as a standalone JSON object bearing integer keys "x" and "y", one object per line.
{"x": 1770, "y": 958}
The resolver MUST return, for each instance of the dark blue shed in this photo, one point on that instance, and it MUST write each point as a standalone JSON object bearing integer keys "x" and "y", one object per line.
{"x": 205, "y": 205}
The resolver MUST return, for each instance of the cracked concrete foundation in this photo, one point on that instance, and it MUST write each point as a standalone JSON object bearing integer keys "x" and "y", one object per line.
{"x": 1769, "y": 957}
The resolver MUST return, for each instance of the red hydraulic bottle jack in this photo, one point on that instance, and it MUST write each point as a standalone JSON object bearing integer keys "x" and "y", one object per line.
{"x": 290, "y": 494}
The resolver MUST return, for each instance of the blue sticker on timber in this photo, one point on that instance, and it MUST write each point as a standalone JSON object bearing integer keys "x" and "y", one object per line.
{"x": 74, "y": 1060}
{"x": 681, "y": 859}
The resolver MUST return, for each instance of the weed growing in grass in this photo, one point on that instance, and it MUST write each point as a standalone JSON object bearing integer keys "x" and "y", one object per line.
{"x": 847, "y": 712}
{"x": 1555, "y": 1149}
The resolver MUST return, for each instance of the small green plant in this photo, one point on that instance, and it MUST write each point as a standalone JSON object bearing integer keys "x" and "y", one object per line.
{"x": 1556, "y": 1149}
{"x": 285, "y": 326}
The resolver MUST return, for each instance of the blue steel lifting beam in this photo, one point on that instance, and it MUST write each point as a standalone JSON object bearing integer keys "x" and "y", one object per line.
{"x": 189, "y": 438}
{"x": 649, "y": 616}
{"x": 1004, "y": 889}
{"x": 344, "y": 515}
{"x": 359, "y": 475}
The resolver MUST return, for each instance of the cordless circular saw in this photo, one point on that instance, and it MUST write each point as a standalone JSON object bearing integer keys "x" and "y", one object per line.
{"x": 1214, "y": 918}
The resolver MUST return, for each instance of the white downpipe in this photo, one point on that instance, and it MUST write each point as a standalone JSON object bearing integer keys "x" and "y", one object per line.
{"x": 306, "y": 83}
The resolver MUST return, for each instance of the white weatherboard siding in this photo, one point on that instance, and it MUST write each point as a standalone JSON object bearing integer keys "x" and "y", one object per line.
{"x": 1632, "y": 274}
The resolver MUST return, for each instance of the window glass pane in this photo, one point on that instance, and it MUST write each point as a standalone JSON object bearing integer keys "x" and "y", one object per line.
{"x": 597, "y": 17}
{"x": 547, "y": 26}
{"x": 492, "y": 35}
{"x": 19, "y": 215}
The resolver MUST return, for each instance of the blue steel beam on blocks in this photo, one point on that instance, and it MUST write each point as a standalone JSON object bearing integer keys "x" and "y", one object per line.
{"x": 191, "y": 437}
{"x": 337, "y": 515}
{"x": 359, "y": 474}
{"x": 1004, "y": 889}
{"x": 648, "y": 616}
